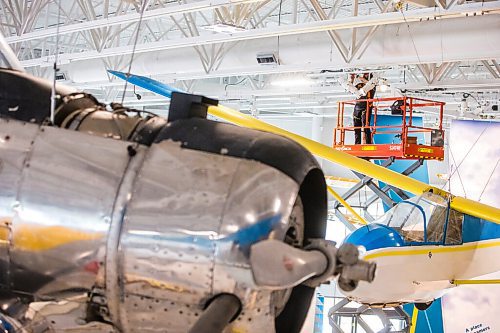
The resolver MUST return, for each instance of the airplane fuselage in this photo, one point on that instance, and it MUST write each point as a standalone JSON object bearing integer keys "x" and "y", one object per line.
{"x": 420, "y": 274}
{"x": 420, "y": 247}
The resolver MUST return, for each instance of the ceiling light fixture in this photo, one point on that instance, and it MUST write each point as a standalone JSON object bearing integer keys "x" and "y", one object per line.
{"x": 224, "y": 28}
{"x": 292, "y": 82}
{"x": 384, "y": 87}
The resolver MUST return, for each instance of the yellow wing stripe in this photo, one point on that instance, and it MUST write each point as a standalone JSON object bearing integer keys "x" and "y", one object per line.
{"x": 414, "y": 318}
{"x": 31, "y": 238}
{"x": 357, "y": 164}
{"x": 418, "y": 250}
{"x": 4, "y": 235}
{"x": 459, "y": 282}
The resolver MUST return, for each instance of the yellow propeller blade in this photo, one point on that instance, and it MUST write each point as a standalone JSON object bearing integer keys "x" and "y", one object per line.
{"x": 405, "y": 183}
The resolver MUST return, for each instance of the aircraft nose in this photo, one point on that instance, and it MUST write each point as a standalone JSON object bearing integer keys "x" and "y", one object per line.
{"x": 375, "y": 236}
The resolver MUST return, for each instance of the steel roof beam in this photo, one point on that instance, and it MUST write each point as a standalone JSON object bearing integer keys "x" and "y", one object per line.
{"x": 127, "y": 18}
{"x": 486, "y": 65}
{"x": 293, "y": 29}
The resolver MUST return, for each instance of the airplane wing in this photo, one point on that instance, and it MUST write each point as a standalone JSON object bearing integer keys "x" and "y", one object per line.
{"x": 405, "y": 183}
{"x": 146, "y": 83}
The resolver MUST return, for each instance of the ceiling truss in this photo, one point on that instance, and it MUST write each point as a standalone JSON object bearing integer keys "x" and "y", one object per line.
{"x": 107, "y": 30}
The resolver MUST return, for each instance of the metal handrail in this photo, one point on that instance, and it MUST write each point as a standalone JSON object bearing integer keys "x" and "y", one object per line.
{"x": 407, "y": 107}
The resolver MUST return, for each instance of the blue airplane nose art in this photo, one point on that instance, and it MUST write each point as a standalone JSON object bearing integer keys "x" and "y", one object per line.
{"x": 375, "y": 236}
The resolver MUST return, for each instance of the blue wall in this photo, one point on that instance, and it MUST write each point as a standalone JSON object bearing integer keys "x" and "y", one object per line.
{"x": 400, "y": 165}
{"x": 431, "y": 320}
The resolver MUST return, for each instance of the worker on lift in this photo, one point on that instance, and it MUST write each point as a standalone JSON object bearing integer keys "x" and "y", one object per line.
{"x": 364, "y": 87}
{"x": 363, "y": 109}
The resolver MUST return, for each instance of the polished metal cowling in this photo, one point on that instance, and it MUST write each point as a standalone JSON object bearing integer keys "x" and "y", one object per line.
{"x": 145, "y": 235}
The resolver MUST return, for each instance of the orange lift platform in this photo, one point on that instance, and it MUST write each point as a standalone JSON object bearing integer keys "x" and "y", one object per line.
{"x": 408, "y": 145}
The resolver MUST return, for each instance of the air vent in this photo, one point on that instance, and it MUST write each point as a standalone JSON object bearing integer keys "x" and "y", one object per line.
{"x": 60, "y": 76}
{"x": 266, "y": 59}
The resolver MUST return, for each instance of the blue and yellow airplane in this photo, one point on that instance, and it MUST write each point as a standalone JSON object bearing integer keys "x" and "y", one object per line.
{"x": 422, "y": 246}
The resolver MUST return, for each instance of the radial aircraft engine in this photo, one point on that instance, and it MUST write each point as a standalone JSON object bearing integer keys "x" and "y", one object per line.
{"x": 117, "y": 220}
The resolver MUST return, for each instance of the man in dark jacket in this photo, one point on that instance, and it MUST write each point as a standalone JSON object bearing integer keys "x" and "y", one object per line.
{"x": 363, "y": 109}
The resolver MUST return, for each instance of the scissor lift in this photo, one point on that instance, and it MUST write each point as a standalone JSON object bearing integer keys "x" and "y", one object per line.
{"x": 407, "y": 144}
{"x": 394, "y": 320}
{"x": 408, "y": 147}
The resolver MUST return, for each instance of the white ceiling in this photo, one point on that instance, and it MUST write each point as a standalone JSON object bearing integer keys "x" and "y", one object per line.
{"x": 439, "y": 50}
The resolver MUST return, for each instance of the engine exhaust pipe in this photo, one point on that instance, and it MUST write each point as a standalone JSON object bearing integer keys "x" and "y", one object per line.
{"x": 221, "y": 311}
